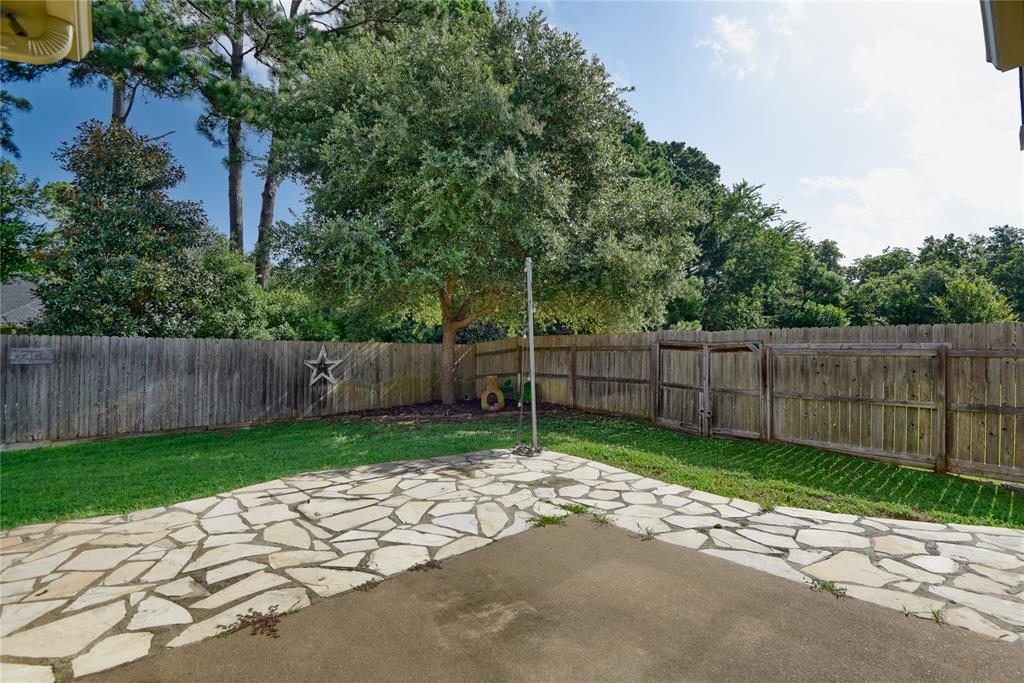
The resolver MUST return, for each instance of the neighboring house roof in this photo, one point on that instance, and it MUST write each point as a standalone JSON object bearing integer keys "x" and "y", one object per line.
{"x": 19, "y": 304}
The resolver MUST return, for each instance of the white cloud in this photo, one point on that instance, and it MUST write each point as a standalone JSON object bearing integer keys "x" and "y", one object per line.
{"x": 789, "y": 15}
{"x": 885, "y": 207}
{"x": 741, "y": 46}
{"x": 734, "y": 48}
{"x": 958, "y": 169}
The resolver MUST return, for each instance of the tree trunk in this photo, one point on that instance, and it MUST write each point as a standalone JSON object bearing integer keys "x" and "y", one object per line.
{"x": 235, "y": 152}
{"x": 235, "y": 183}
{"x": 453, "y": 318}
{"x": 448, "y": 362}
{"x": 263, "y": 238}
{"x": 117, "y": 104}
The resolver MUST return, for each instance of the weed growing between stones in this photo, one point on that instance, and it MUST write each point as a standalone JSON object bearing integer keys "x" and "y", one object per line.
{"x": 600, "y": 519}
{"x": 937, "y": 616}
{"x": 368, "y": 586}
{"x": 828, "y": 587}
{"x": 264, "y": 623}
{"x": 648, "y": 534}
{"x": 575, "y": 508}
{"x": 426, "y": 566}
{"x": 547, "y": 520}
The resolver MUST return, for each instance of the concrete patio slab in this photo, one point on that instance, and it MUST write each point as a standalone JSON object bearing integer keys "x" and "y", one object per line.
{"x": 589, "y": 603}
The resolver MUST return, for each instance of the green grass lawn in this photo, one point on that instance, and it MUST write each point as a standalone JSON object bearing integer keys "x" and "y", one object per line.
{"x": 92, "y": 479}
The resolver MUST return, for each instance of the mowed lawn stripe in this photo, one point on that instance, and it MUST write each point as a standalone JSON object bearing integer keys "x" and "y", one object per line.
{"x": 85, "y": 480}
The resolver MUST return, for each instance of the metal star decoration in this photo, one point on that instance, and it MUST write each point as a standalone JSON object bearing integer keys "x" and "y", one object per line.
{"x": 322, "y": 367}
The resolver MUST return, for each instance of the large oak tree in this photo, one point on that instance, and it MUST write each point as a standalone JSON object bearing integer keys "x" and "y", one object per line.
{"x": 437, "y": 160}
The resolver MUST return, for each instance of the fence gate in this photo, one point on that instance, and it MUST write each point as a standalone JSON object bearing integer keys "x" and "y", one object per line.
{"x": 711, "y": 388}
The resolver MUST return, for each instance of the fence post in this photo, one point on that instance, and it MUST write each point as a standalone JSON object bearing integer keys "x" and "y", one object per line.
{"x": 654, "y": 379}
{"x": 572, "y": 374}
{"x": 472, "y": 372}
{"x": 944, "y": 432}
{"x": 705, "y": 417}
{"x": 766, "y": 393}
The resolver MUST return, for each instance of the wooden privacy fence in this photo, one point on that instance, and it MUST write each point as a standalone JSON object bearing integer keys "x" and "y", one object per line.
{"x": 80, "y": 387}
{"x": 948, "y": 397}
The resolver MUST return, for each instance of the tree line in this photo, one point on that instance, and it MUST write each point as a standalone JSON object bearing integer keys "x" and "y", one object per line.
{"x": 438, "y": 144}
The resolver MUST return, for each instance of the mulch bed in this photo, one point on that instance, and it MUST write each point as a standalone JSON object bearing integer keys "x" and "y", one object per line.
{"x": 462, "y": 411}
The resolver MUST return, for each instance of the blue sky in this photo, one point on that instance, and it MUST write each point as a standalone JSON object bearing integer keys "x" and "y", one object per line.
{"x": 875, "y": 123}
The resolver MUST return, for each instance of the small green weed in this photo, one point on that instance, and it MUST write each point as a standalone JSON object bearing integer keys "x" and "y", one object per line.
{"x": 648, "y": 534}
{"x": 547, "y": 520}
{"x": 828, "y": 587}
{"x": 600, "y": 519}
{"x": 937, "y": 616}
{"x": 369, "y": 585}
{"x": 426, "y": 566}
{"x": 264, "y": 623}
{"x": 575, "y": 508}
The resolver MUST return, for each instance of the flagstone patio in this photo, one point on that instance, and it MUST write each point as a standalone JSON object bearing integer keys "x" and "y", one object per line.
{"x": 85, "y": 596}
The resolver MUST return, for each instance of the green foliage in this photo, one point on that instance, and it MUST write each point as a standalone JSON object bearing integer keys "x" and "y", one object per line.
{"x": 127, "y": 260}
{"x": 689, "y": 166}
{"x": 546, "y": 520}
{"x": 971, "y": 299}
{"x": 437, "y": 162}
{"x": 828, "y": 587}
{"x": 8, "y": 105}
{"x": 232, "y": 307}
{"x": 950, "y": 279}
{"x": 749, "y": 255}
{"x": 21, "y": 238}
{"x": 1009, "y": 277}
{"x": 811, "y": 314}
{"x": 291, "y": 314}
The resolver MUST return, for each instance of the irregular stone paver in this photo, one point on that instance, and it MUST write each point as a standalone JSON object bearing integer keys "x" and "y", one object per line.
{"x": 397, "y": 558}
{"x": 13, "y": 617}
{"x": 932, "y": 563}
{"x": 153, "y": 611}
{"x": 287, "y": 533}
{"x": 254, "y": 583}
{"x": 898, "y": 545}
{"x": 111, "y": 652}
{"x": 64, "y": 637}
{"x": 285, "y": 600}
{"x": 25, "y": 673}
{"x": 819, "y": 538}
{"x": 328, "y": 582}
{"x": 68, "y": 585}
{"x": 894, "y": 599}
{"x": 850, "y": 567}
{"x": 71, "y": 591}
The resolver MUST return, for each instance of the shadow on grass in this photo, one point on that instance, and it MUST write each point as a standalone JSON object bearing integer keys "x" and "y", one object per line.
{"x": 110, "y": 477}
{"x": 780, "y": 474}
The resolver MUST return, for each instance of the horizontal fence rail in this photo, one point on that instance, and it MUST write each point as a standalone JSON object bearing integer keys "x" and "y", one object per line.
{"x": 65, "y": 388}
{"x": 944, "y": 397}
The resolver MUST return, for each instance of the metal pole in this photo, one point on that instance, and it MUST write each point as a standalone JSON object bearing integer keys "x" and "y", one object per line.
{"x": 529, "y": 336}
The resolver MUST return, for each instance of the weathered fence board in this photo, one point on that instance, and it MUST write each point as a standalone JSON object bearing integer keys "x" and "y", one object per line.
{"x": 949, "y": 397}
{"x": 106, "y": 386}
